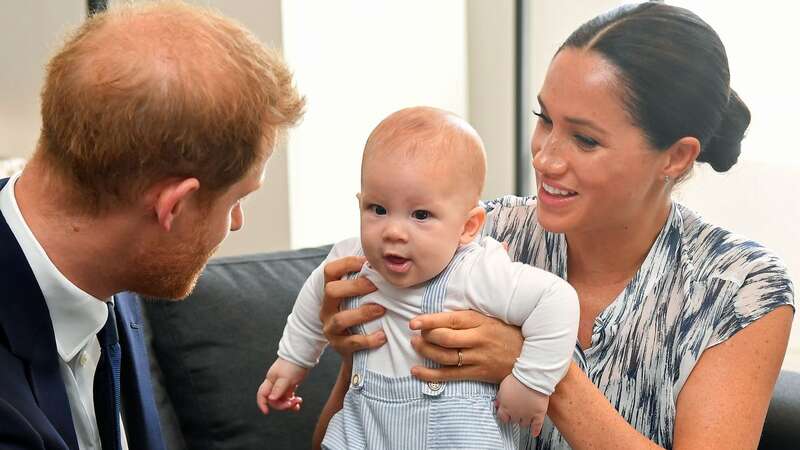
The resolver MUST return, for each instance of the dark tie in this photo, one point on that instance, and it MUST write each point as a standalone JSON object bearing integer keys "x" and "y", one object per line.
{"x": 106, "y": 384}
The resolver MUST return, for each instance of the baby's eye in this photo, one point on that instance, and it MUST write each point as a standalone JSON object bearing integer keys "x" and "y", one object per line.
{"x": 378, "y": 209}
{"x": 421, "y": 214}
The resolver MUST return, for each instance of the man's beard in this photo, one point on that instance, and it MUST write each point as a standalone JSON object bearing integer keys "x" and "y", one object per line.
{"x": 170, "y": 273}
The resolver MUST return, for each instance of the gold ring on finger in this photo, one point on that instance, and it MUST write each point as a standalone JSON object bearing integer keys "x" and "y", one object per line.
{"x": 460, "y": 358}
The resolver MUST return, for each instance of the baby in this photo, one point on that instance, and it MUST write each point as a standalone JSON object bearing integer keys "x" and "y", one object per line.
{"x": 422, "y": 173}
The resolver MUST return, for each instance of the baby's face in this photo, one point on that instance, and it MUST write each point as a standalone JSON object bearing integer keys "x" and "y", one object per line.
{"x": 412, "y": 218}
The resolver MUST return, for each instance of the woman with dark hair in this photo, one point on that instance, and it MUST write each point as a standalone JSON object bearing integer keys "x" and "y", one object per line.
{"x": 683, "y": 325}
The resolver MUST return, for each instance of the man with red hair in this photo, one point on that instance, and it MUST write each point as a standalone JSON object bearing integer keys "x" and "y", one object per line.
{"x": 156, "y": 121}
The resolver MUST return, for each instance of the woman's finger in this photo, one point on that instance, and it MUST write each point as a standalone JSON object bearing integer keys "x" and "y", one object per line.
{"x": 451, "y": 373}
{"x": 448, "y": 338}
{"x": 446, "y": 373}
{"x": 338, "y": 323}
{"x": 457, "y": 320}
{"x": 338, "y": 268}
{"x": 345, "y": 345}
{"x": 341, "y": 289}
{"x": 437, "y": 354}
{"x": 336, "y": 289}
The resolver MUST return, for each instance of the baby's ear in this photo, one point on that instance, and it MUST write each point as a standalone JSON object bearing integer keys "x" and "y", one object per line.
{"x": 473, "y": 225}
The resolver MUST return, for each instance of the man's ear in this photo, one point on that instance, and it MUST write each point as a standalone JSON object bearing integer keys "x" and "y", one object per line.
{"x": 473, "y": 225}
{"x": 171, "y": 199}
{"x": 680, "y": 157}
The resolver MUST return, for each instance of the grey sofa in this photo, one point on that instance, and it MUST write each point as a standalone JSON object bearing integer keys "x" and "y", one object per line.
{"x": 210, "y": 352}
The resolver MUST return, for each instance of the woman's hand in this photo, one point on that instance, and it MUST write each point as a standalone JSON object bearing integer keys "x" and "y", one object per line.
{"x": 488, "y": 347}
{"x": 335, "y": 323}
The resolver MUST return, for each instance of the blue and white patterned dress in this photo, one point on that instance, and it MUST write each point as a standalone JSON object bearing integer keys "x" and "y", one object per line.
{"x": 696, "y": 288}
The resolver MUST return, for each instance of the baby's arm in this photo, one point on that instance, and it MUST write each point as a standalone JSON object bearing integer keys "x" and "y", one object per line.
{"x": 278, "y": 387}
{"x": 303, "y": 340}
{"x": 517, "y": 403}
{"x": 547, "y": 310}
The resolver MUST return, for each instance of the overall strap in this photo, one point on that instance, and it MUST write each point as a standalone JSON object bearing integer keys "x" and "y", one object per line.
{"x": 433, "y": 302}
{"x": 359, "y": 357}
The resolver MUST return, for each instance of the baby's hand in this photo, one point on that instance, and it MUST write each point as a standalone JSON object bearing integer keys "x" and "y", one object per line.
{"x": 277, "y": 390}
{"x": 519, "y": 404}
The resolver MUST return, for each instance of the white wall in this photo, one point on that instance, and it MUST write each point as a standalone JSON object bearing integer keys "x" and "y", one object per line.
{"x": 30, "y": 31}
{"x": 266, "y": 223}
{"x": 358, "y": 61}
{"x": 490, "y": 76}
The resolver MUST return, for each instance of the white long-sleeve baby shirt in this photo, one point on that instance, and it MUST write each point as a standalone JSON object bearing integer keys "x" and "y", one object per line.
{"x": 481, "y": 277}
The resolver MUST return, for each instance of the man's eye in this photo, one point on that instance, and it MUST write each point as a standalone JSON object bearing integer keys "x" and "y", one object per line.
{"x": 378, "y": 209}
{"x": 421, "y": 214}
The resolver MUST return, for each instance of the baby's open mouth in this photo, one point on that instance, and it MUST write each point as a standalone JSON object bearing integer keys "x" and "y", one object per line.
{"x": 396, "y": 263}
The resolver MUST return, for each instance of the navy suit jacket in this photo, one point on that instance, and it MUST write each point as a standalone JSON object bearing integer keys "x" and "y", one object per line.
{"x": 34, "y": 410}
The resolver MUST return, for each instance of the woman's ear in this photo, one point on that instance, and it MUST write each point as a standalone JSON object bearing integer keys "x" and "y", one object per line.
{"x": 171, "y": 199}
{"x": 473, "y": 225}
{"x": 680, "y": 157}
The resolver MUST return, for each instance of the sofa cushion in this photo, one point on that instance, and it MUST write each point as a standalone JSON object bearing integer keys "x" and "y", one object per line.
{"x": 782, "y": 426}
{"x": 215, "y": 346}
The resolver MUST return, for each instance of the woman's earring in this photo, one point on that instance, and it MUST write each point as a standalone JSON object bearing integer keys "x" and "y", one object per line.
{"x": 666, "y": 179}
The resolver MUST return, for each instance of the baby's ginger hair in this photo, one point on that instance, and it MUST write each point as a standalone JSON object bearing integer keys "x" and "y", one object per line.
{"x": 437, "y": 135}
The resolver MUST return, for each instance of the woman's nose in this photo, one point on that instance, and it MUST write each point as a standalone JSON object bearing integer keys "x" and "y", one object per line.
{"x": 548, "y": 156}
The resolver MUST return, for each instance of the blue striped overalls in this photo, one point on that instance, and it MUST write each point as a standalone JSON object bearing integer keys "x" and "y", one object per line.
{"x": 405, "y": 413}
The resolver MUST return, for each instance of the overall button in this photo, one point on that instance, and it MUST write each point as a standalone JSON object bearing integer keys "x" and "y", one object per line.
{"x": 356, "y": 379}
{"x": 434, "y": 386}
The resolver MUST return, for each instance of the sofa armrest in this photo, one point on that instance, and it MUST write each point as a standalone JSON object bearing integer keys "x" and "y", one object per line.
{"x": 782, "y": 427}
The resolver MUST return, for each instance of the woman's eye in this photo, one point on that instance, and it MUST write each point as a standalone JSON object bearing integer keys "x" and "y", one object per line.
{"x": 542, "y": 117}
{"x": 421, "y": 214}
{"x": 586, "y": 142}
{"x": 378, "y": 209}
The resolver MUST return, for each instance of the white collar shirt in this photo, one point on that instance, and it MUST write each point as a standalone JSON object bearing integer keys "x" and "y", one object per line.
{"x": 76, "y": 316}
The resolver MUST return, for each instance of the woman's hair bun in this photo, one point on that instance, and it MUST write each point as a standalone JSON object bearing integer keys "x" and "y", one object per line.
{"x": 723, "y": 148}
